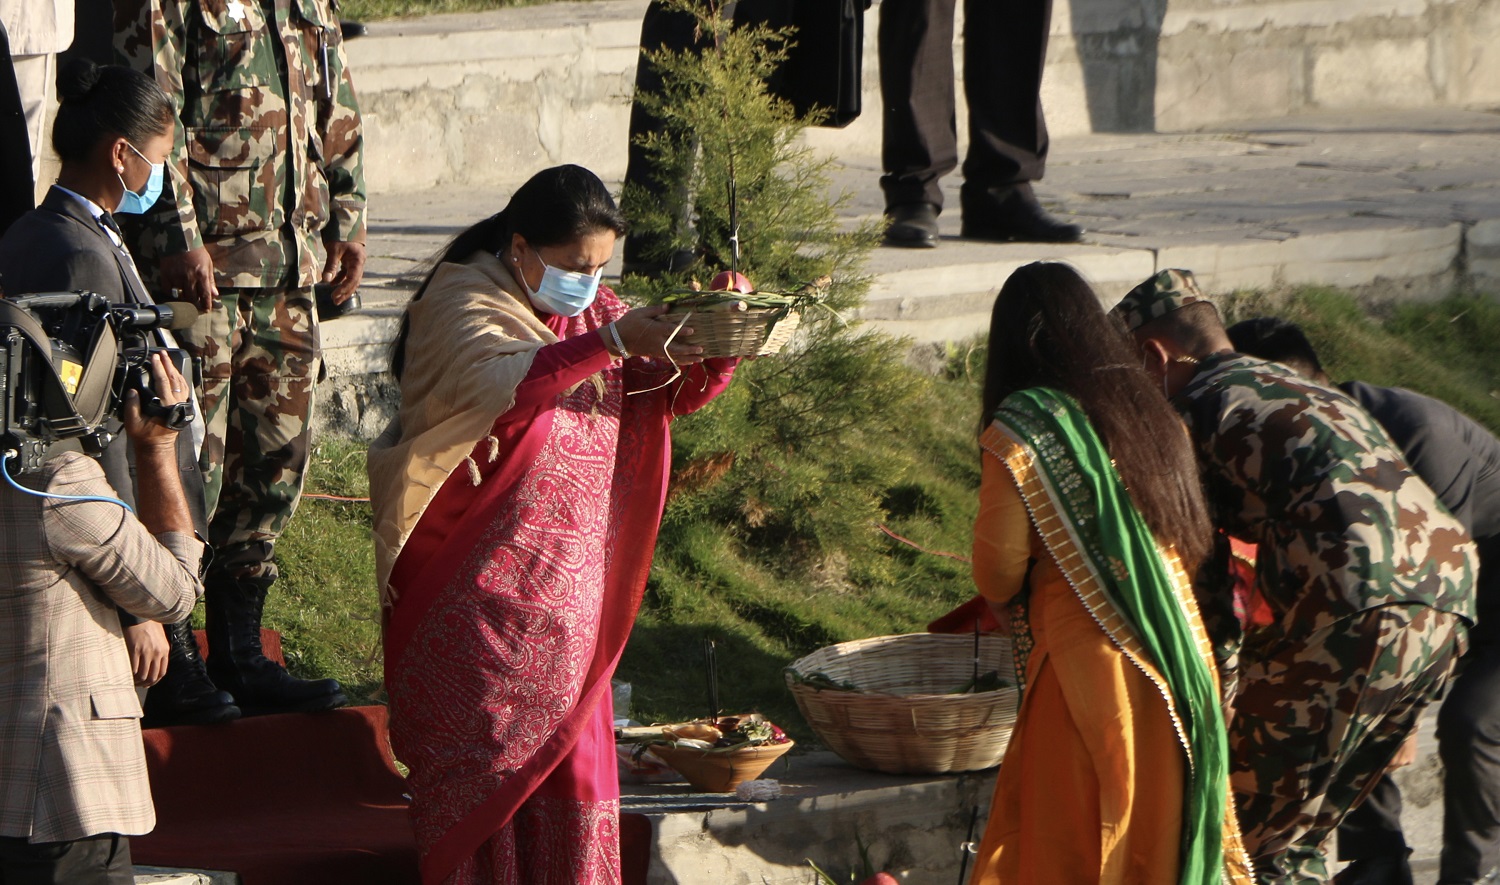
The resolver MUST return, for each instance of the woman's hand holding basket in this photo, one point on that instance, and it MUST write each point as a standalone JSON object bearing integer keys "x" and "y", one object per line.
{"x": 644, "y": 332}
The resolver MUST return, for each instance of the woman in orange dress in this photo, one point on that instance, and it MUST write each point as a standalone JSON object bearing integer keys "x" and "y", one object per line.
{"x": 1090, "y": 510}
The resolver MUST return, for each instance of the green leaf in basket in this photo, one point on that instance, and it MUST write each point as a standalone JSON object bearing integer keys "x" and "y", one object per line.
{"x": 821, "y": 681}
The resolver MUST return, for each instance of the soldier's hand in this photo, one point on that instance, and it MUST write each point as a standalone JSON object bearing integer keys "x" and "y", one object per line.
{"x": 148, "y": 647}
{"x": 171, "y": 388}
{"x": 345, "y": 268}
{"x": 192, "y": 274}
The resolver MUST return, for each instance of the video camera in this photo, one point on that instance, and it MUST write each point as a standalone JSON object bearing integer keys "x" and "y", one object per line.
{"x": 66, "y": 362}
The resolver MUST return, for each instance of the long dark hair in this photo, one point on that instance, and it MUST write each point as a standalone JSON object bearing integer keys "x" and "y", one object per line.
{"x": 106, "y": 102}
{"x": 1048, "y": 329}
{"x": 556, "y": 206}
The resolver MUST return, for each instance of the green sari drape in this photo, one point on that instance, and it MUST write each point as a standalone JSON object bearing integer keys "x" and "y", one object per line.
{"x": 1110, "y": 535}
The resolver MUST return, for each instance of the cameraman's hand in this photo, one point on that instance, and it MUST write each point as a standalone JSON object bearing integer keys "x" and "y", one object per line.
{"x": 148, "y": 647}
{"x": 171, "y": 388}
{"x": 645, "y": 333}
{"x": 192, "y": 274}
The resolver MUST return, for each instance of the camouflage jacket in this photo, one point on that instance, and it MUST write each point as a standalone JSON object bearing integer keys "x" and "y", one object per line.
{"x": 266, "y": 162}
{"x": 1343, "y": 525}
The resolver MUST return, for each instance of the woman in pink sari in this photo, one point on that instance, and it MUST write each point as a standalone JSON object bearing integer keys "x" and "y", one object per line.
{"x": 517, "y": 499}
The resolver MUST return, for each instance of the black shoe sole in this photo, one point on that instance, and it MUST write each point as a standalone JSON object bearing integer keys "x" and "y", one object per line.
{"x": 210, "y": 716}
{"x": 910, "y": 243}
{"x": 310, "y": 705}
{"x": 999, "y": 235}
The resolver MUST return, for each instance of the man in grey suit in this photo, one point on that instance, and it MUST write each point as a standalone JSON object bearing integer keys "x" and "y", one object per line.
{"x": 73, "y": 780}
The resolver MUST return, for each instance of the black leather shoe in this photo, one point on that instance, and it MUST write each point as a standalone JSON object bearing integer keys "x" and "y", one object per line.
{"x": 186, "y": 696}
{"x": 237, "y": 662}
{"x": 1012, "y": 214}
{"x": 349, "y": 30}
{"x": 1382, "y": 869}
{"x": 912, "y": 226}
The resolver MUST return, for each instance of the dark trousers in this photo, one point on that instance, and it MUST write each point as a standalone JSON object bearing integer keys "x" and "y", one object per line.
{"x": 97, "y": 860}
{"x": 673, "y": 30}
{"x": 1005, "y": 50}
{"x": 1469, "y": 744}
{"x": 1373, "y": 827}
{"x": 661, "y": 28}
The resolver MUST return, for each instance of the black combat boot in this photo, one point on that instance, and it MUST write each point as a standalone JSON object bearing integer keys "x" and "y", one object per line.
{"x": 186, "y": 696}
{"x": 237, "y": 663}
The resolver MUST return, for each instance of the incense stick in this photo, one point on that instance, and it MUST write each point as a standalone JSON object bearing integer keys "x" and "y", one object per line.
{"x": 976, "y": 654}
{"x": 711, "y": 669}
{"x": 968, "y": 847}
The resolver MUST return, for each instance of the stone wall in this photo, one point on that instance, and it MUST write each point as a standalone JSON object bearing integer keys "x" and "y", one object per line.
{"x": 1267, "y": 58}
{"x": 486, "y": 99}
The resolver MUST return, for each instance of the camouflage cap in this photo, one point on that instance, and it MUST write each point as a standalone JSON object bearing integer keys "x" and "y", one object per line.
{"x": 1158, "y": 297}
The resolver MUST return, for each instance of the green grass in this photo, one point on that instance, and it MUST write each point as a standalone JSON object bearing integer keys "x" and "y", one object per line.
{"x": 374, "y": 10}
{"x": 764, "y": 605}
{"x": 1446, "y": 349}
{"x": 325, "y": 603}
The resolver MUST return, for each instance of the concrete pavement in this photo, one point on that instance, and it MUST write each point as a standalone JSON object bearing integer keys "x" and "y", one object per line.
{"x": 1390, "y": 203}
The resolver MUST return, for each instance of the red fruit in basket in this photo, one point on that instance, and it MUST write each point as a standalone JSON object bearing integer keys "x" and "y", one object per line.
{"x": 731, "y": 281}
{"x": 881, "y": 879}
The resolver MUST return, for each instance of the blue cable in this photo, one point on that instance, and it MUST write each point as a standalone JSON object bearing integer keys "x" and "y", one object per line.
{"x": 12, "y": 453}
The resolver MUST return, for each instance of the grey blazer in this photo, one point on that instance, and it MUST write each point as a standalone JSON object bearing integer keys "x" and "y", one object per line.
{"x": 71, "y": 759}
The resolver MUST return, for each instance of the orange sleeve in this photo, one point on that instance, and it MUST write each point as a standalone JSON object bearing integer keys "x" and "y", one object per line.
{"x": 1002, "y": 534}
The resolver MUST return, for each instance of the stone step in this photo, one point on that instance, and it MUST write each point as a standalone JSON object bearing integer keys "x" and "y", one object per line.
{"x": 164, "y": 876}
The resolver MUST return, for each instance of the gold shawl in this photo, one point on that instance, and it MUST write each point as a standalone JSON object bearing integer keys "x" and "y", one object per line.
{"x": 470, "y": 344}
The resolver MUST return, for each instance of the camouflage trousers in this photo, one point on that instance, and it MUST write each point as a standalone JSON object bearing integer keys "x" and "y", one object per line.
{"x": 1318, "y": 719}
{"x": 260, "y": 359}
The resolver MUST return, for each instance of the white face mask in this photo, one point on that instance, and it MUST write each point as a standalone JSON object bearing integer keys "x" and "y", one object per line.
{"x": 562, "y": 292}
{"x": 132, "y": 203}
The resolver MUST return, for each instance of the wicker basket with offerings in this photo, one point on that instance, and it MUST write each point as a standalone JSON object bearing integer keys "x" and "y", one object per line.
{"x": 732, "y": 319}
{"x": 714, "y": 756}
{"x": 920, "y": 703}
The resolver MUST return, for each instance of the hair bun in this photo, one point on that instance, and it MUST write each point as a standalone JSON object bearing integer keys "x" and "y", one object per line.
{"x": 77, "y": 79}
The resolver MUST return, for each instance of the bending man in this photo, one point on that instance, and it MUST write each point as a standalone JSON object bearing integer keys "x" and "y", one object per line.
{"x": 1367, "y": 575}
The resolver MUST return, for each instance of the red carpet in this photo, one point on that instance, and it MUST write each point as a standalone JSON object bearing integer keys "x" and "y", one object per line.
{"x": 296, "y": 799}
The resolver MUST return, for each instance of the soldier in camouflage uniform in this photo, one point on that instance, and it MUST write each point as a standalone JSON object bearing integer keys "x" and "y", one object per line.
{"x": 265, "y": 180}
{"x": 1369, "y": 577}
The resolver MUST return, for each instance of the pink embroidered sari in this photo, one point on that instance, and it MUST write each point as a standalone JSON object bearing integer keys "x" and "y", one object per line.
{"x": 515, "y": 598}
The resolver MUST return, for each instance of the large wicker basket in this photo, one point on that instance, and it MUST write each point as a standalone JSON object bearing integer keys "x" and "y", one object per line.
{"x": 903, "y": 718}
{"x": 723, "y": 329}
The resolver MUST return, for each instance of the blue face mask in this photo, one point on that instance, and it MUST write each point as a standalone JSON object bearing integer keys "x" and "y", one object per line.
{"x": 133, "y": 203}
{"x": 562, "y": 292}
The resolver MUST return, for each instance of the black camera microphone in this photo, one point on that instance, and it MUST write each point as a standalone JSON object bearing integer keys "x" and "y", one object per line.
{"x": 172, "y": 315}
